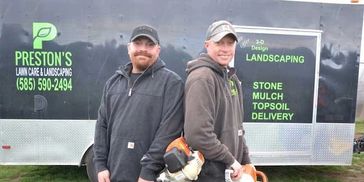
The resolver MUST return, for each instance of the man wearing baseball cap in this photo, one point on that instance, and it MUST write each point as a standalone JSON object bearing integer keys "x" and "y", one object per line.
{"x": 141, "y": 112}
{"x": 214, "y": 106}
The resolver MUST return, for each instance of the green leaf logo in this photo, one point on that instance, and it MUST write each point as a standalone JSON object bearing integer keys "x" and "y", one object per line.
{"x": 233, "y": 88}
{"x": 43, "y": 31}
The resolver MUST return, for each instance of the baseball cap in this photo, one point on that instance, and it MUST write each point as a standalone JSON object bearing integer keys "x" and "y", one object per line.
{"x": 220, "y": 29}
{"x": 147, "y": 31}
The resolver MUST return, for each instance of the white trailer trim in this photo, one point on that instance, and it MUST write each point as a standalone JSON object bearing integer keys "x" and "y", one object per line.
{"x": 45, "y": 142}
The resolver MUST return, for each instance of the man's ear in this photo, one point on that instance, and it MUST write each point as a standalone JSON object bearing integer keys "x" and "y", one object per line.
{"x": 206, "y": 44}
{"x": 128, "y": 46}
{"x": 159, "y": 49}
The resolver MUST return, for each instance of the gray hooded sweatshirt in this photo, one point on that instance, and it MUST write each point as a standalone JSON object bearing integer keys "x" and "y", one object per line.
{"x": 214, "y": 112}
{"x": 137, "y": 121}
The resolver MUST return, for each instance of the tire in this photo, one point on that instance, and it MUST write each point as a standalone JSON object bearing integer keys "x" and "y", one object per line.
{"x": 90, "y": 167}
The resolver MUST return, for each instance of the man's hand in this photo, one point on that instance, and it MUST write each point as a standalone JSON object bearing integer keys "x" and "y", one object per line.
{"x": 143, "y": 180}
{"x": 103, "y": 176}
{"x": 238, "y": 171}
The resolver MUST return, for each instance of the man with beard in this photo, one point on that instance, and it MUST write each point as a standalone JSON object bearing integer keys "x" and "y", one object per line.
{"x": 141, "y": 112}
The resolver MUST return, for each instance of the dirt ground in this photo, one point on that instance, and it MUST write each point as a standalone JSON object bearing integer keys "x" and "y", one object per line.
{"x": 349, "y": 176}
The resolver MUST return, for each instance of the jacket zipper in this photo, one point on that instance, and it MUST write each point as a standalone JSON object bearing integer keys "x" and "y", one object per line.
{"x": 129, "y": 92}
{"x": 132, "y": 86}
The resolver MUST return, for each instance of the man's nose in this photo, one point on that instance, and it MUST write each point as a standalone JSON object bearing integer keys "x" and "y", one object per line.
{"x": 224, "y": 47}
{"x": 143, "y": 47}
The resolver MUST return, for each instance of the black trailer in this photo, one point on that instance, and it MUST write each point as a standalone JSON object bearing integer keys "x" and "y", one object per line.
{"x": 298, "y": 63}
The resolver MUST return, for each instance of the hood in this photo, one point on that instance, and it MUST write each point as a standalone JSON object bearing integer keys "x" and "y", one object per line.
{"x": 125, "y": 69}
{"x": 205, "y": 61}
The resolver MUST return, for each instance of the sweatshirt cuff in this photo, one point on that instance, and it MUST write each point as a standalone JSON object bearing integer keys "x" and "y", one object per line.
{"x": 100, "y": 166}
{"x": 147, "y": 174}
{"x": 229, "y": 160}
{"x": 246, "y": 159}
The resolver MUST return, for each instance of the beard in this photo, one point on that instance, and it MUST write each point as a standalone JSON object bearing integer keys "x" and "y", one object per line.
{"x": 143, "y": 53}
{"x": 142, "y": 63}
{"x": 140, "y": 66}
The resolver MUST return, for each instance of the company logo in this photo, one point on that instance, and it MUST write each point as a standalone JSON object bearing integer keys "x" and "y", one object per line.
{"x": 43, "y": 32}
{"x": 233, "y": 88}
{"x": 42, "y": 70}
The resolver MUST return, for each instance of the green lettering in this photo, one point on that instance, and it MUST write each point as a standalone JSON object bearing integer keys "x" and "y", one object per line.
{"x": 247, "y": 57}
{"x": 57, "y": 56}
{"x": 38, "y": 60}
{"x": 25, "y": 59}
{"x": 301, "y": 59}
{"x": 279, "y": 116}
{"x": 256, "y": 96}
{"x": 254, "y": 115}
{"x": 254, "y": 105}
{"x": 31, "y": 58}
{"x": 17, "y": 57}
{"x": 68, "y": 61}
{"x": 255, "y": 85}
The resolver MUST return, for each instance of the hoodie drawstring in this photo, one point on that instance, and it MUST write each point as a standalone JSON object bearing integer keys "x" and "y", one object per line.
{"x": 132, "y": 86}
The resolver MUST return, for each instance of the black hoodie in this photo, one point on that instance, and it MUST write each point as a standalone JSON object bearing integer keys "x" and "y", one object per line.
{"x": 214, "y": 112}
{"x": 137, "y": 121}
